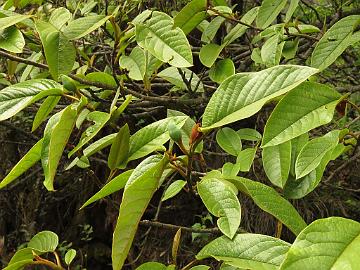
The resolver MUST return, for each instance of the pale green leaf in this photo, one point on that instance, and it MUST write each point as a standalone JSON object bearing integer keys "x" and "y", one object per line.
{"x": 277, "y": 161}
{"x": 172, "y": 75}
{"x": 222, "y": 70}
{"x": 242, "y": 95}
{"x": 210, "y": 31}
{"x": 45, "y": 109}
{"x": 27, "y": 161}
{"x": 291, "y": 9}
{"x": 70, "y": 256}
{"x": 137, "y": 194}
{"x": 308, "y": 106}
{"x": 173, "y": 189}
{"x": 200, "y": 267}
{"x": 220, "y": 198}
{"x": 152, "y": 266}
{"x": 249, "y": 134}
{"x": 45, "y": 241}
{"x": 268, "y": 12}
{"x": 119, "y": 151}
{"x": 229, "y": 141}
{"x": 114, "y": 185}
{"x": 135, "y": 63}
{"x": 59, "y": 17}
{"x": 248, "y": 251}
{"x": 270, "y": 49}
{"x": 331, "y": 243}
{"x": 334, "y": 42}
{"x": 191, "y": 15}
{"x": 296, "y": 145}
{"x": 245, "y": 159}
{"x": 15, "y": 98}
{"x": 209, "y": 53}
{"x": 11, "y": 20}
{"x": 161, "y": 39}
{"x": 12, "y": 40}
{"x": 101, "y": 77}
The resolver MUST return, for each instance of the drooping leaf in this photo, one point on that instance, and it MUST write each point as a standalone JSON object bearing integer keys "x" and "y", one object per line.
{"x": 114, "y": 185}
{"x": 138, "y": 192}
{"x": 191, "y": 15}
{"x": 270, "y": 53}
{"x": 277, "y": 161}
{"x": 308, "y": 106}
{"x": 292, "y": 7}
{"x": 27, "y": 161}
{"x": 11, "y": 20}
{"x": 229, "y": 141}
{"x": 70, "y": 256}
{"x": 12, "y": 40}
{"x": 135, "y": 63}
{"x": 15, "y": 98}
{"x": 56, "y": 135}
{"x": 173, "y": 189}
{"x": 270, "y": 201}
{"x": 81, "y": 27}
{"x": 222, "y": 70}
{"x": 99, "y": 119}
{"x": 248, "y": 251}
{"x": 45, "y": 241}
{"x": 172, "y": 75}
{"x": 330, "y": 243}
{"x": 44, "y": 110}
{"x": 268, "y": 12}
{"x": 209, "y": 53}
{"x": 334, "y": 42}
{"x": 296, "y": 145}
{"x": 119, "y": 151}
{"x": 210, "y": 31}
{"x": 161, "y": 39}
{"x": 243, "y": 95}
{"x": 249, "y": 134}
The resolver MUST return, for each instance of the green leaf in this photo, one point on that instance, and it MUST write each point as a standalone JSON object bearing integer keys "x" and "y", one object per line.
{"x": 312, "y": 153}
{"x": 210, "y": 31}
{"x": 242, "y": 95}
{"x": 59, "y": 17}
{"x": 119, "y": 151}
{"x": 220, "y": 198}
{"x": 268, "y": 12}
{"x": 173, "y": 189}
{"x": 114, "y": 185}
{"x": 99, "y": 119}
{"x": 138, "y": 192}
{"x": 12, "y": 40}
{"x": 334, "y": 42}
{"x": 290, "y": 48}
{"x": 56, "y": 135}
{"x": 27, "y": 161}
{"x": 18, "y": 265}
{"x": 11, "y": 20}
{"x": 245, "y": 159}
{"x": 152, "y": 266}
{"x": 270, "y": 50}
{"x": 248, "y": 251}
{"x": 249, "y": 134}
{"x": 330, "y": 243}
{"x": 45, "y": 109}
{"x": 159, "y": 32}
{"x": 276, "y": 161}
{"x": 229, "y": 141}
{"x": 45, "y": 241}
{"x": 191, "y": 15}
{"x": 101, "y": 77}
{"x": 135, "y": 63}
{"x": 296, "y": 145}
{"x": 59, "y": 51}
{"x": 209, "y": 53}
{"x": 270, "y": 201}
{"x": 81, "y": 27}
{"x": 222, "y": 70}
{"x": 315, "y": 104}
{"x": 152, "y": 137}
{"x": 200, "y": 267}
{"x": 292, "y": 7}
{"x": 70, "y": 256}
{"x": 15, "y": 98}
{"x": 172, "y": 75}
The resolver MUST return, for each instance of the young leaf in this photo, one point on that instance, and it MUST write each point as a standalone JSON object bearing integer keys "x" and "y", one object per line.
{"x": 308, "y": 106}
{"x": 15, "y": 98}
{"x": 70, "y": 256}
{"x": 45, "y": 241}
{"x": 119, "y": 151}
{"x": 312, "y": 153}
{"x": 220, "y": 198}
{"x": 276, "y": 161}
{"x": 242, "y": 95}
{"x": 56, "y": 135}
{"x": 159, "y": 31}
{"x": 334, "y": 42}
{"x": 245, "y": 159}
{"x": 210, "y": 31}
{"x": 45, "y": 109}
{"x": 229, "y": 141}
{"x": 222, "y": 70}
{"x": 99, "y": 119}
{"x": 114, "y": 185}
{"x": 27, "y": 161}
{"x": 138, "y": 192}
{"x": 268, "y": 12}
{"x": 59, "y": 17}
{"x": 209, "y": 53}
{"x": 173, "y": 189}
{"x": 135, "y": 63}
{"x": 248, "y": 251}
{"x": 271, "y": 50}
{"x": 12, "y": 40}
{"x": 11, "y": 20}
{"x": 330, "y": 243}
{"x": 249, "y": 134}
{"x": 270, "y": 201}
{"x": 191, "y": 15}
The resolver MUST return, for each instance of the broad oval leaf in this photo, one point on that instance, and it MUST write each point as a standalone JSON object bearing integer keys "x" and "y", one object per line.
{"x": 277, "y": 161}
{"x": 173, "y": 189}
{"x": 220, "y": 198}
{"x": 242, "y": 95}
{"x": 191, "y": 15}
{"x": 45, "y": 241}
{"x": 229, "y": 141}
{"x": 137, "y": 194}
{"x": 249, "y": 134}
{"x": 248, "y": 251}
{"x": 209, "y": 53}
{"x": 135, "y": 63}
{"x": 222, "y": 70}
{"x": 308, "y": 106}
{"x": 12, "y": 40}
{"x": 15, "y": 98}
{"x": 161, "y": 39}
{"x": 271, "y": 202}
{"x": 27, "y": 161}
{"x": 268, "y": 12}
{"x": 114, "y": 185}
{"x": 334, "y": 42}
{"x": 70, "y": 256}
{"x": 245, "y": 159}
{"x": 59, "y": 17}
{"x": 330, "y": 243}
